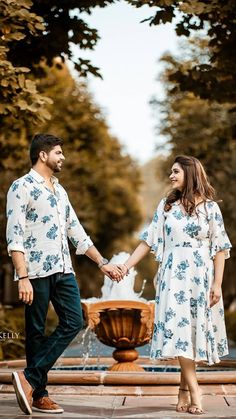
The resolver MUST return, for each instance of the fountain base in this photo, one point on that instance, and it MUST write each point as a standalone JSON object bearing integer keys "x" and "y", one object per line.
{"x": 126, "y": 358}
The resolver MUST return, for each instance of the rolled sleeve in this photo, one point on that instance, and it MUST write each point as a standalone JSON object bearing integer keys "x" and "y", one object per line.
{"x": 76, "y": 233}
{"x": 16, "y": 210}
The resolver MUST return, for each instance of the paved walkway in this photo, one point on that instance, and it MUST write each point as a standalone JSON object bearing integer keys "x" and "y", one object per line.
{"x": 139, "y": 402}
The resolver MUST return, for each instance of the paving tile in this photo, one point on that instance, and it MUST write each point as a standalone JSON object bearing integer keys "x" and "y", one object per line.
{"x": 118, "y": 407}
{"x": 231, "y": 401}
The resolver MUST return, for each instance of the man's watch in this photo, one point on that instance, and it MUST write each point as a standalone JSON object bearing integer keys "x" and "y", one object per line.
{"x": 103, "y": 262}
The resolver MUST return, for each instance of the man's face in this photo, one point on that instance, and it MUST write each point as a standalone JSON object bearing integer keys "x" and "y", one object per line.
{"x": 55, "y": 159}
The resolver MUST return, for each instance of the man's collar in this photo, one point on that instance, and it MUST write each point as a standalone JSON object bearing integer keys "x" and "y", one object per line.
{"x": 40, "y": 179}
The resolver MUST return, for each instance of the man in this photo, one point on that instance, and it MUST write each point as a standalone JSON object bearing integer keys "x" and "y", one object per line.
{"x": 40, "y": 221}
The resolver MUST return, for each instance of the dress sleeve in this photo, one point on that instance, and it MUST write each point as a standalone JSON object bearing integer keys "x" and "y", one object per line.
{"x": 218, "y": 237}
{"x": 154, "y": 234}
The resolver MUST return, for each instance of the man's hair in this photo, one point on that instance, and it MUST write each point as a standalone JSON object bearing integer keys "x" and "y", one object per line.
{"x": 43, "y": 142}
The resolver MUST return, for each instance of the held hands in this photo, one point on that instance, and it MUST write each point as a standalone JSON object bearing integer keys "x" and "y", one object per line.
{"x": 117, "y": 272}
{"x": 215, "y": 294}
{"x": 25, "y": 290}
{"x": 113, "y": 271}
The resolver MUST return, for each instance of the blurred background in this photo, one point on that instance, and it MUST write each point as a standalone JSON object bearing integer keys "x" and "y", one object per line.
{"x": 127, "y": 85}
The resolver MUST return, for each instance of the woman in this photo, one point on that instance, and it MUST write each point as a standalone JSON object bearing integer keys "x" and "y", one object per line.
{"x": 189, "y": 241}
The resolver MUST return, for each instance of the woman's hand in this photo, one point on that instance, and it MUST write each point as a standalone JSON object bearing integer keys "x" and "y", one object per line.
{"x": 124, "y": 269}
{"x": 113, "y": 271}
{"x": 215, "y": 294}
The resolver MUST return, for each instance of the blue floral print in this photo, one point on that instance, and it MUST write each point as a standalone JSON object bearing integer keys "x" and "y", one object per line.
{"x": 178, "y": 214}
{"x": 52, "y": 232}
{"x": 192, "y": 229}
{"x": 170, "y": 313}
{"x": 35, "y": 193}
{"x": 196, "y": 280}
{"x": 50, "y": 261}
{"x": 155, "y": 217}
{"x": 222, "y": 346}
{"x": 180, "y": 297}
{"x": 169, "y": 261}
{"x": 15, "y": 186}
{"x": 30, "y": 242}
{"x": 144, "y": 236}
{"x": 168, "y": 229}
{"x": 187, "y": 244}
{"x": 18, "y": 230}
{"x": 197, "y": 258}
{"x": 184, "y": 322}
{"x": 31, "y": 215}
{"x": 53, "y": 202}
{"x": 181, "y": 269}
{"x": 46, "y": 218}
{"x": 180, "y": 344}
{"x": 35, "y": 256}
{"x": 168, "y": 334}
{"x": 202, "y": 353}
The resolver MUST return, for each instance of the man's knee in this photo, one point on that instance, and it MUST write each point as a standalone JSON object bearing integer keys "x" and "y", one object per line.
{"x": 77, "y": 324}
{"x": 74, "y": 325}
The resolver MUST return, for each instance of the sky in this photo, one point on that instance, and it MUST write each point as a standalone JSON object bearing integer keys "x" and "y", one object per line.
{"x": 127, "y": 55}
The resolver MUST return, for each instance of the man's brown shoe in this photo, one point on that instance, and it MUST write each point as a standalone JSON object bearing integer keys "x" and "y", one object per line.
{"x": 46, "y": 405}
{"x": 23, "y": 391}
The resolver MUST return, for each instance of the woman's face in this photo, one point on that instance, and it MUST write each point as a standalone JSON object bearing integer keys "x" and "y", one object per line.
{"x": 177, "y": 176}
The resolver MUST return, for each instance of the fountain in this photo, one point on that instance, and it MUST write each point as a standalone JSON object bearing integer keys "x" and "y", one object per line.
{"x": 121, "y": 318}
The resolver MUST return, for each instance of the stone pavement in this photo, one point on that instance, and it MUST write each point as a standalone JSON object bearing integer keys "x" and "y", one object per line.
{"x": 124, "y": 403}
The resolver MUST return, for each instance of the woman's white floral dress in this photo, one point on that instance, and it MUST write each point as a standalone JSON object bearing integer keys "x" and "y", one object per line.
{"x": 185, "y": 247}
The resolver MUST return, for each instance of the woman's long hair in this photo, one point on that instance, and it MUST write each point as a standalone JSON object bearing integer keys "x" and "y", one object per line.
{"x": 196, "y": 183}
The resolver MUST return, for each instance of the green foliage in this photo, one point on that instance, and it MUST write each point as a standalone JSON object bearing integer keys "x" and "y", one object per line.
{"x": 44, "y": 29}
{"x": 19, "y": 98}
{"x": 64, "y": 26}
{"x": 215, "y": 79}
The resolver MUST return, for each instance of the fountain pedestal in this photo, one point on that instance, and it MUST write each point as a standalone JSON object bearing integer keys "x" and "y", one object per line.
{"x": 124, "y": 325}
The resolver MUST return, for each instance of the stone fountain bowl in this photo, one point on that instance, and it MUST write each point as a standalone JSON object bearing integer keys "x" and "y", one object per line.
{"x": 122, "y": 324}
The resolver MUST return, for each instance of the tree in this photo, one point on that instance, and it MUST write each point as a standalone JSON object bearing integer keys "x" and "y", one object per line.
{"x": 215, "y": 79}
{"x": 63, "y": 26}
{"x": 19, "y": 98}
{"x": 44, "y": 29}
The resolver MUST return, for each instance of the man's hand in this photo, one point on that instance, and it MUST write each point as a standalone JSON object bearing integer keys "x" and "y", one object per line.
{"x": 26, "y": 292}
{"x": 113, "y": 271}
{"x": 215, "y": 294}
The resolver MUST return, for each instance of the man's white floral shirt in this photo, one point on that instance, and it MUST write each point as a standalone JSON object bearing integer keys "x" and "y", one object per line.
{"x": 40, "y": 223}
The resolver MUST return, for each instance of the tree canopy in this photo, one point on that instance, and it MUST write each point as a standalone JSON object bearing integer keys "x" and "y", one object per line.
{"x": 44, "y": 29}
{"x": 215, "y": 20}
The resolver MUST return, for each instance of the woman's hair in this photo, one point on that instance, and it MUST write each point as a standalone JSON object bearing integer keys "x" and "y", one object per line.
{"x": 195, "y": 183}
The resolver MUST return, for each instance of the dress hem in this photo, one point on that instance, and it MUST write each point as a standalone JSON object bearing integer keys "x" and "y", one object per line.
{"x": 205, "y": 360}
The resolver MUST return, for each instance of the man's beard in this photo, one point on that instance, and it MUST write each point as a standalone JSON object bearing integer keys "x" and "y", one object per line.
{"x": 53, "y": 166}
